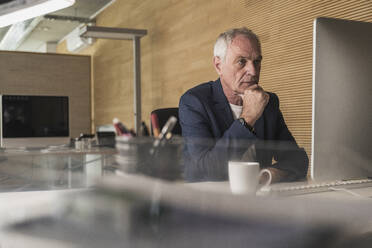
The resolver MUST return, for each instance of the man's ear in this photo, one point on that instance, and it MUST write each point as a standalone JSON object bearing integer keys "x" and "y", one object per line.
{"x": 217, "y": 62}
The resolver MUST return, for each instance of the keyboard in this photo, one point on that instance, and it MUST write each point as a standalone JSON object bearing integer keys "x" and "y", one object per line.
{"x": 308, "y": 188}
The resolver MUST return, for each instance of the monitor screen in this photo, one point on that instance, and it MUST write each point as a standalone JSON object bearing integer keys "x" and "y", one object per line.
{"x": 35, "y": 116}
{"x": 342, "y": 88}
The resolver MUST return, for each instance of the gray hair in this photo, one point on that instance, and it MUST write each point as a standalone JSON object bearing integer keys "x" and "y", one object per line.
{"x": 224, "y": 39}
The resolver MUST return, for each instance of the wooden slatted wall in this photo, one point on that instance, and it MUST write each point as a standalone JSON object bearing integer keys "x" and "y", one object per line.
{"x": 177, "y": 52}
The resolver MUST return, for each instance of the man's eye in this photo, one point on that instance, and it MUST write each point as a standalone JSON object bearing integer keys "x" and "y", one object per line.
{"x": 257, "y": 62}
{"x": 242, "y": 62}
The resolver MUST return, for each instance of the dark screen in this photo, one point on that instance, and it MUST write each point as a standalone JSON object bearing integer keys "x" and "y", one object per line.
{"x": 35, "y": 116}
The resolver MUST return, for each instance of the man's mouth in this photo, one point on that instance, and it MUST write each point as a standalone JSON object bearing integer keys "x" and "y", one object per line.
{"x": 249, "y": 82}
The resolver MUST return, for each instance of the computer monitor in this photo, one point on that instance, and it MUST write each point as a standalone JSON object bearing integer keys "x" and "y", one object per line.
{"x": 342, "y": 100}
{"x": 34, "y": 120}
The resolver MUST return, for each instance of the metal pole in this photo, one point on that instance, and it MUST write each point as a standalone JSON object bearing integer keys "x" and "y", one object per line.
{"x": 137, "y": 83}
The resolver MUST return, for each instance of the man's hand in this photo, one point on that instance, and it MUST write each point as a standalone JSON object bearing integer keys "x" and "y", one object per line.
{"x": 255, "y": 100}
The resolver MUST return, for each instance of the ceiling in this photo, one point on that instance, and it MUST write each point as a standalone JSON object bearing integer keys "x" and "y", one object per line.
{"x": 33, "y": 35}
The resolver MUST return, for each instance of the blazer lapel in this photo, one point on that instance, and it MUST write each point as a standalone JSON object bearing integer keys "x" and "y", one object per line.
{"x": 259, "y": 127}
{"x": 223, "y": 111}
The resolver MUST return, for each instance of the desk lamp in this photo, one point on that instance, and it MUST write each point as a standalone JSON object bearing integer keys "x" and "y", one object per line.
{"x": 123, "y": 34}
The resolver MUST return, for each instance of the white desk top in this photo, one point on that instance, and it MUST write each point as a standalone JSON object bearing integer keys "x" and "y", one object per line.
{"x": 25, "y": 205}
{"x": 22, "y": 206}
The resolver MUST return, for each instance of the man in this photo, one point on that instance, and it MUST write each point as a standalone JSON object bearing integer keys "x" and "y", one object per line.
{"x": 232, "y": 116}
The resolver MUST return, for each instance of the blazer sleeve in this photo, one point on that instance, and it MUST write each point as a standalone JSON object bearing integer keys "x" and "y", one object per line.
{"x": 205, "y": 156}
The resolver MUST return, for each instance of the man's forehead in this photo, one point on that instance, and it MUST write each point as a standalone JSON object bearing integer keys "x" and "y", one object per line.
{"x": 244, "y": 47}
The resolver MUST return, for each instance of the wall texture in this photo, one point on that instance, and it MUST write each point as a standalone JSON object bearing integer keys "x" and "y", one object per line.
{"x": 177, "y": 52}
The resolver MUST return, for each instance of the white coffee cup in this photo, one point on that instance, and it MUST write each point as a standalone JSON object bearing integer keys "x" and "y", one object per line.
{"x": 244, "y": 177}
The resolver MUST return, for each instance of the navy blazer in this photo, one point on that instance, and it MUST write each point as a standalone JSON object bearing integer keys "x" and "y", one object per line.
{"x": 213, "y": 137}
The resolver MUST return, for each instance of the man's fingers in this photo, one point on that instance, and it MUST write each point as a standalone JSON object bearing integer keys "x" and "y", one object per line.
{"x": 257, "y": 89}
{"x": 253, "y": 87}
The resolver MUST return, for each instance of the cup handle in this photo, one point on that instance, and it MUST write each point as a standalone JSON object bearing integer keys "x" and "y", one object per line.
{"x": 270, "y": 177}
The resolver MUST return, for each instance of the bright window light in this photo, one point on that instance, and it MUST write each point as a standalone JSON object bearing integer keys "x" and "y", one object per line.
{"x": 30, "y": 9}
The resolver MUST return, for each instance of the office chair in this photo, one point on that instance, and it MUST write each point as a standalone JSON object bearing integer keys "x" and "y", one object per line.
{"x": 160, "y": 116}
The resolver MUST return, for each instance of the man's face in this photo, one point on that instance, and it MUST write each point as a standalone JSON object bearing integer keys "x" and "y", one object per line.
{"x": 242, "y": 65}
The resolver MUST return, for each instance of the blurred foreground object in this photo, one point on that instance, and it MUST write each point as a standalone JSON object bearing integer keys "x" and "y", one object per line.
{"x": 138, "y": 211}
{"x": 160, "y": 157}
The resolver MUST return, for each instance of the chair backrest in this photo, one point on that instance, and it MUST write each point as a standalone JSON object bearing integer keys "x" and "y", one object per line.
{"x": 160, "y": 116}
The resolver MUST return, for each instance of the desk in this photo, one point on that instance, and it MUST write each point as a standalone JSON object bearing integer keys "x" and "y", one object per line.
{"x": 23, "y": 206}
{"x": 138, "y": 211}
{"x": 57, "y": 168}
{"x": 37, "y": 183}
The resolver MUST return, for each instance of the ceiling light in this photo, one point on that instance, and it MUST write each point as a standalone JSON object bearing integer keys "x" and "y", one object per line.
{"x": 112, "y": 33}
{"x": 20, "y": 10}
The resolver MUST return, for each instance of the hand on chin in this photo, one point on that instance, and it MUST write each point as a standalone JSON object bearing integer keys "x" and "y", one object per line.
{"x": 244, "y": 86}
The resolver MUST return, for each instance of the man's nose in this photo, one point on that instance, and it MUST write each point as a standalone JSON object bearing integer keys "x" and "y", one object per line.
{"x": 250, "y": 68}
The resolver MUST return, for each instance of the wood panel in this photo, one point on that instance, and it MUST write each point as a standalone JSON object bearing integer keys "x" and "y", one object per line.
{"x": 24, "y": 73}
{"x": 177, "y": 52}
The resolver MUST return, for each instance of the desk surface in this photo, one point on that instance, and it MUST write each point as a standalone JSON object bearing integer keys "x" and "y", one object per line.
{"x": 48, "y": 169}
{"x": 207, "y": 212}
{"x": 55, "y": 150}
{"x": 23, "y": 206}
{"x": 146, "y": 212}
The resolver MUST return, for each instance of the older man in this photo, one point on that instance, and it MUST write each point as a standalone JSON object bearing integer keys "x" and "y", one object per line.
{"x": 223, "y": 120}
